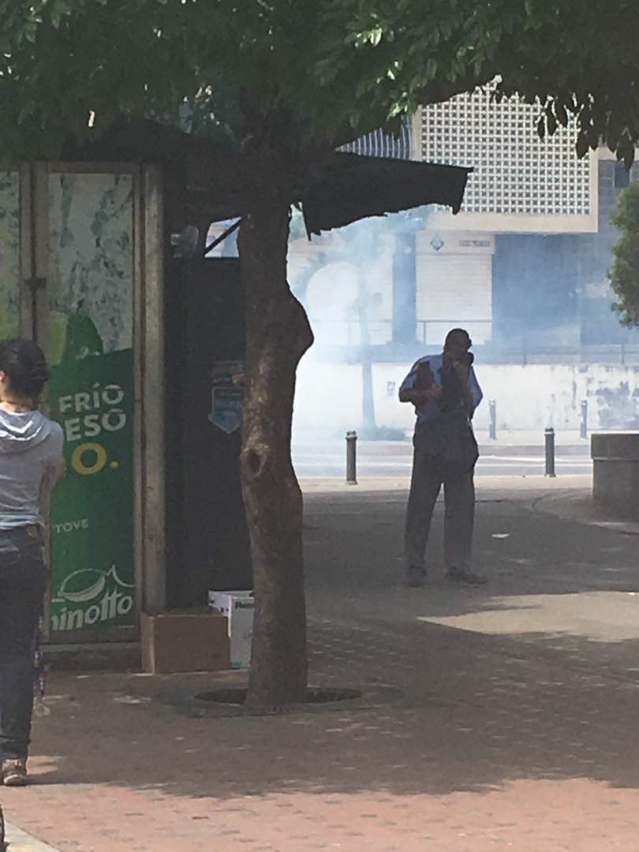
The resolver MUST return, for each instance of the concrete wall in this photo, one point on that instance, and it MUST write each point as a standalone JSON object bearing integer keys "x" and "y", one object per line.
{"x": 616, "y": 472}
{"x": 329, "y": 398}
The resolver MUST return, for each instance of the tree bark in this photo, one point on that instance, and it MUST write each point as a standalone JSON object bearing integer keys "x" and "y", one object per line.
{"x": 277, "y": 334}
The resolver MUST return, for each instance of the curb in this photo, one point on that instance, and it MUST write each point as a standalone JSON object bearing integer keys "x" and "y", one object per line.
{"x": 579, "y": 507}
{"x": 20, "y": 841}
{"x": 576, "y": 450}
{"x": 519, "y": 487}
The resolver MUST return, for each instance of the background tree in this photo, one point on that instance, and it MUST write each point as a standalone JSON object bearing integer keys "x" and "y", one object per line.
{"x": 285, "y": 82}
{"x": 360, "y": 246}
{"x": 624, "y": 275}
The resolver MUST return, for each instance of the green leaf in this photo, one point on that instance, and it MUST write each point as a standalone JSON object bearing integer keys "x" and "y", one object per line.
{"x": 541, "y": 127}
{"x": 582, "y": 145}
{"x": 374, "y": 36}
{"x": 561, "y": 114}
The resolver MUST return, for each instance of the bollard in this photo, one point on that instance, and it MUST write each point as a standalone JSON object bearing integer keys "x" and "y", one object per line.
{"x": 550, "y": 452}
{"x": 351, "y": 458}
{"x": 492, "y": 425}
{"x": 583, "y": 427}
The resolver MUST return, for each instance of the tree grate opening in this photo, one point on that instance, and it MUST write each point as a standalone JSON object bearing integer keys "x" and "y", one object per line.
{"x": 314, "y": 695}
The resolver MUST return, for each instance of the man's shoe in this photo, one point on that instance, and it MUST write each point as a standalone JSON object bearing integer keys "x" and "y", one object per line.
{"x": 415, "y": 576}
{"x": 14, "y": 773}
{"x": 467, "y": 578}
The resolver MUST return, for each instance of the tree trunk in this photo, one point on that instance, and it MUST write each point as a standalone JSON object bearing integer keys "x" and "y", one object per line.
{"x": 277, "y": 335}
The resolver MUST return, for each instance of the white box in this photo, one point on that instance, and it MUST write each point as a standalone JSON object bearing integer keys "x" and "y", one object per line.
{"x": 238, "y": 607}
{"x": 218, "y": 600}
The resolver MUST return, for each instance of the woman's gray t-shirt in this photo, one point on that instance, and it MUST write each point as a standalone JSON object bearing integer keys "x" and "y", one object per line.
{"x": 31, "y": 462}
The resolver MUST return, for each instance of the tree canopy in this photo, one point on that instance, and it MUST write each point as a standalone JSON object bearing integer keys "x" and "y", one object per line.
{"x": 308, "y": 74}
{"x": 624, "y": 275}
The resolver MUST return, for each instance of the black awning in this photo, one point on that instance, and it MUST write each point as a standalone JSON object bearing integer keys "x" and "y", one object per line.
{"x": 350, "y": 187}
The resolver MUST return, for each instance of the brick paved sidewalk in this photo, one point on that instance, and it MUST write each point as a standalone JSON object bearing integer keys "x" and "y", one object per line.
{"x": 473, "y": 738}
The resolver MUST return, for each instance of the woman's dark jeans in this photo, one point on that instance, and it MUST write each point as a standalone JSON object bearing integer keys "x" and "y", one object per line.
{"x": 22, "y": 587}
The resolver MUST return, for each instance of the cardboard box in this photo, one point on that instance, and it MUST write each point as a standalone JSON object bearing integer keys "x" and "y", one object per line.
{"x": 238, "y": 608}
{"x": 184, "y": 641}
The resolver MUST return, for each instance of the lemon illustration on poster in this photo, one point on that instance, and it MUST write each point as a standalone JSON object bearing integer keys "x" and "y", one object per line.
{"x": 91, "y": 395}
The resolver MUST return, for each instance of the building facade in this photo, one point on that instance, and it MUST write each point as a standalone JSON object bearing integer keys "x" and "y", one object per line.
{"x": 540, "y": 220}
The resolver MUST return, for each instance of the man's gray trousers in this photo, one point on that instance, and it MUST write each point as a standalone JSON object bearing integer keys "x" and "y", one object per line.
{"x": 430, "y": 472}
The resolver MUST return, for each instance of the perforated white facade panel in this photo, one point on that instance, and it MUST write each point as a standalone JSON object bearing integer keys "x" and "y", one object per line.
{"x": 516, "y": 172}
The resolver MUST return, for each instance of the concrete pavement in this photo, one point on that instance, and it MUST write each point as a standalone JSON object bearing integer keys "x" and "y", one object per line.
{"x": 501, "y": 717}
{"x": 20, "y": 841}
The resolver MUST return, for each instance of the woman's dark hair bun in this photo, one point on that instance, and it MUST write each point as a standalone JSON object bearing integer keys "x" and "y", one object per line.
{"x": 39, "y": 372}
{"x": 24, "y": 363}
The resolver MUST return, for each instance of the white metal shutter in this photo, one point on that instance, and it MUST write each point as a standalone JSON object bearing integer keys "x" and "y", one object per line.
{"x": 454, "y": 290}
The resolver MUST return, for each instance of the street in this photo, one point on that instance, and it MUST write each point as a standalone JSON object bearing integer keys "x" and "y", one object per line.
{"x": 394, "y": 459}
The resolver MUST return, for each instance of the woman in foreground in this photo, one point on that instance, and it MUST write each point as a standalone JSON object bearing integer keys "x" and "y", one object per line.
{"x": 31, "y": 462}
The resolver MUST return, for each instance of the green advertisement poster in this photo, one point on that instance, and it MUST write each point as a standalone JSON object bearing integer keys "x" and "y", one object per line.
{"x": 91, "y": 395}
{"x": 92, "y": 513}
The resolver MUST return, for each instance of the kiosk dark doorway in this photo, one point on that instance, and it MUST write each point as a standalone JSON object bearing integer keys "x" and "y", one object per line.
{"x": 206, "y": 525}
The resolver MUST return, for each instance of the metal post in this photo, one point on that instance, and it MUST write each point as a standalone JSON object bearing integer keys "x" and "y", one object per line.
{"x": 492, "y": 426}
{"x": 351, "y": 458}
{"x": 550, "y": 452}
{"x": 583, "y": 428}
